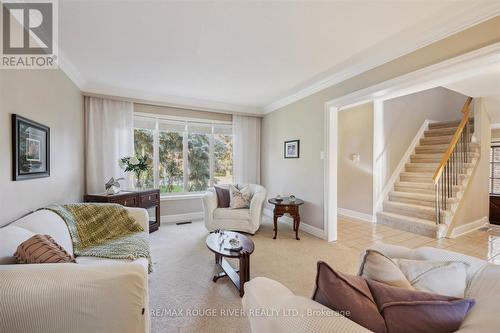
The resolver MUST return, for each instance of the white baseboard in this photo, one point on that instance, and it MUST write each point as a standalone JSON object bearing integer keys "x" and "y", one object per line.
{"x": 181, "y": 217}
{"x": 468, "y": 227}
{"x": 317, "y": 232}
{"x": 401, "y": 166}
{"x": 356, "y": 215}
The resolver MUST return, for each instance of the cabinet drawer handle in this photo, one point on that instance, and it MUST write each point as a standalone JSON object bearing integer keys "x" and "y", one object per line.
{"x": 149, "y": 198}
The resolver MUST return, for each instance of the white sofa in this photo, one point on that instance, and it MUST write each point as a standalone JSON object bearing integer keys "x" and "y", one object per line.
{"x": 93, "y": 295}
{"x": 483, "y": 284}
{"x": 245, "y": 220}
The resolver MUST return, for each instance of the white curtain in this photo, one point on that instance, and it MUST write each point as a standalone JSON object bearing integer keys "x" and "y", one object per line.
{"x": 246, "y": 149}
{"x": 109, "y": 136}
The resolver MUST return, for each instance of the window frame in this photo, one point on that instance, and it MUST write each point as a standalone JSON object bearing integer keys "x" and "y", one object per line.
{"x": 493, "y": 147}
{"x": 155, "y": 120}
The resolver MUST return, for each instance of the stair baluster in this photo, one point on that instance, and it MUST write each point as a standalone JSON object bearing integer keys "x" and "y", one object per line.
{"x": 452, "y": 166}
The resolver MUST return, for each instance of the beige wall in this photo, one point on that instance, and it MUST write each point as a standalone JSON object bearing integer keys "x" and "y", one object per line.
{"x": 304, "y": 119}
{"x": 355, "y": 179}
{"x": 403, "y": 117}
{"x": 475, "y": 202}
{"x": 50, "y": 98}
{"x": 302, "y": 176}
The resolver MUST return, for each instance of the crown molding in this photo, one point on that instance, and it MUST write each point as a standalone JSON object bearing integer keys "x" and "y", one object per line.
{"x": 70, "y": 70}
{"x": 394, "y": 49}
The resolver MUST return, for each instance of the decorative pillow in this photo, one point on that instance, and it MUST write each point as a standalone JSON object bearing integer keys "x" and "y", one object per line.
{"x": 239, "y": 198}
{"x": 376, "y": 266}
{"x": 348, "y": 295}
{"x": 223, "y": 196}
{"x": 41, "y": 249}
{"x": 410, "y": 311}
{"x": 440, "y": 277}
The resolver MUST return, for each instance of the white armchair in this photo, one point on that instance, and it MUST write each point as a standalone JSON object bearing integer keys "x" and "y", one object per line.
{"x": 245, "y": 220}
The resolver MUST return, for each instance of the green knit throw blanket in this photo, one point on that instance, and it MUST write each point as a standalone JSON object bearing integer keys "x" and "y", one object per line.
{"x": 104, "y": 230}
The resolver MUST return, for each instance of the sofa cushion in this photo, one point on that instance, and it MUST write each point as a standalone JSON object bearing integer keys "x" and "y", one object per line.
{"x": 349, "y": 295}
{"x": 42, "y": 249}
{"x": 10, "y": 238}
{"x": 485, "y": 289}
{"x": 84, "y": 260}
{"x": 231, "y": 214}
{"x": 45, "y": 222}
{"x": 223, "y": 198}
{"x": 440, "y": 277}
{"x": 413, "y": 311}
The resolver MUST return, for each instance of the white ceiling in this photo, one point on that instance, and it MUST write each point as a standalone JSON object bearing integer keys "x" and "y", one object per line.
{"x": 247, "y": 56}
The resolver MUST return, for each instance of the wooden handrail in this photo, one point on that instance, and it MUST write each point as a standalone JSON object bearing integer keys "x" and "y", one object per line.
{"x": 454, "y": 141}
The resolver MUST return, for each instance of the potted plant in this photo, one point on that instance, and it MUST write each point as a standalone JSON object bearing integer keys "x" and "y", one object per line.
{"x": 137, "y": 165}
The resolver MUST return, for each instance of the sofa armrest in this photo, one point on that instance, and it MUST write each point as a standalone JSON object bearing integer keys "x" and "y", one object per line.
{"x": 74, "y": 298}
{"x": 140, "y": 215}
{"x": 209, "y": 201}
{"x": 257, "y": 203}
{"x": 273, "y": 308}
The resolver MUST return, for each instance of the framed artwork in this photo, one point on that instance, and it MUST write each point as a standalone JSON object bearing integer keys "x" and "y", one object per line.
{"x": 292, "y": 149}
{"x": 30, "y": 149}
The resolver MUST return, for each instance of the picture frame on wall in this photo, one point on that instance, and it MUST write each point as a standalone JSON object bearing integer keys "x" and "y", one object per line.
{"x": 30, "y": 149}
{"x": 292, "y": 149}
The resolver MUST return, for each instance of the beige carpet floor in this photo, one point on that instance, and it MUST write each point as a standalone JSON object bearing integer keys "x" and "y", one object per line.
{"x": 181, "y": 286}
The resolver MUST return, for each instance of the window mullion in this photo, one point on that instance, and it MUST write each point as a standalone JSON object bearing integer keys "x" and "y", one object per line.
{"x": 185, "y": 163}
{"x": 211, "y": 157}
{"x": 156, "y": 156}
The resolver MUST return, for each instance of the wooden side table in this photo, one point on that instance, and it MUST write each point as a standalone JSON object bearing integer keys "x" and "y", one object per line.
{"x": 285, "y": 206}
{"x": 241, "y": 275}
{"x": 143, "y": 199}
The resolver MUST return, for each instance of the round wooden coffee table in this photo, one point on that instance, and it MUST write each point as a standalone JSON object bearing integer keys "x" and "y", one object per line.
{"x": 240, "y": 276}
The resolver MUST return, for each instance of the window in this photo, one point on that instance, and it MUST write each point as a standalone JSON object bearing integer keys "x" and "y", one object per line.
{"x": 495, "y": 169}
{"x": 143, "y": 146}
{"x": 186, "y": 156}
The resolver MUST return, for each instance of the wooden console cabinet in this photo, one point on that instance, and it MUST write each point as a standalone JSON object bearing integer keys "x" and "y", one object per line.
{"x": 144, "y": 199}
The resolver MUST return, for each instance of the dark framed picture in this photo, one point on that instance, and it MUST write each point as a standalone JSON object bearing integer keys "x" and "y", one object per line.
{"x": 292, "y": 149}
{"x": 30, "y": 149}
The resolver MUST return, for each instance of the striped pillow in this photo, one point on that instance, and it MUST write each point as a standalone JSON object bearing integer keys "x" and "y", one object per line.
{"x": 41, "y": 249}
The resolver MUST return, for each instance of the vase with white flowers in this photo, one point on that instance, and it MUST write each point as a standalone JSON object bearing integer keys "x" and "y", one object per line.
{"x": 137, "y": 165}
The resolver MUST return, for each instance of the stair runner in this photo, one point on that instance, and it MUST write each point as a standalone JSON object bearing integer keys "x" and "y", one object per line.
{"x": 410, "y": 206}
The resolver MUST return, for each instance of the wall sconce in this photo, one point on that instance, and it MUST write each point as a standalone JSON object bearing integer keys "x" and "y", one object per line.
{"x": 355, "y": 157}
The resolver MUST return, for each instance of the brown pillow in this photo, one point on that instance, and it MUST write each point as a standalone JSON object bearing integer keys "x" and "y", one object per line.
{"x": 349, "y": 295}
{"x": 409, "y": 311}
{"x": 223, "y": 198}
{"x": 41, "y": 249}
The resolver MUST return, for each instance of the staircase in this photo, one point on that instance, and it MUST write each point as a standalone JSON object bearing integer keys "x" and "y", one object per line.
{"x": 426, "y": 195}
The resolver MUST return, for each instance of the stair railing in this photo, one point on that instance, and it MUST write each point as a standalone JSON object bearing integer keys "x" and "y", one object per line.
{"x": 452, "y": 166}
